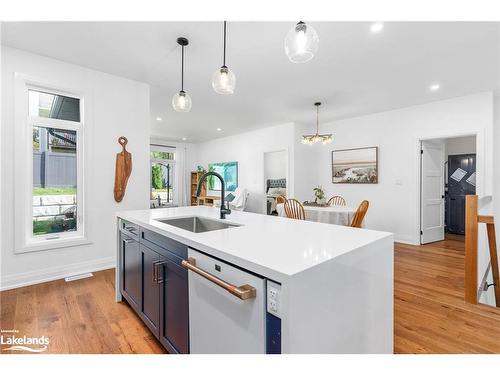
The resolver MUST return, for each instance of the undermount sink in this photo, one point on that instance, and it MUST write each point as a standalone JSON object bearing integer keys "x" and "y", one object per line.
{"x": 197, "y": 224}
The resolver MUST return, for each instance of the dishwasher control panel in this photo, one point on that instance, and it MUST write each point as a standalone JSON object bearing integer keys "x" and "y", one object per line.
{"x": 274, "y": 298}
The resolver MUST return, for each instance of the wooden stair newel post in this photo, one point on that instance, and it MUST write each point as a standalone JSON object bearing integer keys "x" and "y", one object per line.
{"x": 123, "y": 169}
{"x": 471, "y": 226}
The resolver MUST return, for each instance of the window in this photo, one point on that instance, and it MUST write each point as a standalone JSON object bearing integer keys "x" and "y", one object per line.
{"x": 162, "y": 175}
{"x": 49, "y": 214}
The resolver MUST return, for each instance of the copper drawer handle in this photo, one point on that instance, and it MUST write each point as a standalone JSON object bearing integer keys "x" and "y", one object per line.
{"x": 242, "y": 292}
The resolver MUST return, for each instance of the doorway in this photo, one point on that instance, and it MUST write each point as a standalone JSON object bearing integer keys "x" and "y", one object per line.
{"x": 447, "y": 175}
{"x": 275, "y": 178}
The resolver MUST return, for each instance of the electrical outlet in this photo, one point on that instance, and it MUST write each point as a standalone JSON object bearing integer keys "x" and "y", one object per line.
{"x": 273, "y": 293}
{"x": 274, "y": 298}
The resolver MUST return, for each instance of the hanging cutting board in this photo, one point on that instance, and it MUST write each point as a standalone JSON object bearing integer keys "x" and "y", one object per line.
{"x": 123, "y": 169}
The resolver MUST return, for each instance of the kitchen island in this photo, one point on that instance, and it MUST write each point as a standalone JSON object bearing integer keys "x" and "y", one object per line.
{"x": 264, "y": 284}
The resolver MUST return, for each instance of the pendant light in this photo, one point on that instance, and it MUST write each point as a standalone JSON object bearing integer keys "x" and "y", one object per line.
{"x": 223, "y": 80}
{"x": 182, "y": 101}
{"x": 315, "y": 138}
{"x": 301, "y": 43}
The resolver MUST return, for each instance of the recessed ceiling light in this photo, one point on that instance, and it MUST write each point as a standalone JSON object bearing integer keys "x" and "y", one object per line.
{"x": 184, "y": 138}
{"x": 219, "y": 129}
{"x": 434, "y": 87}
{"x": 159, "y": 119}
{"x": 376, "y": 27}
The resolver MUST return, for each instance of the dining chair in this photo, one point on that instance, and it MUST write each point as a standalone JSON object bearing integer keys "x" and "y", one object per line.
{"x": 357, "y": 220}
{"x": 336, "y": 200}
{"x": 294, "y": 209}
{"x": 280, "y": 199}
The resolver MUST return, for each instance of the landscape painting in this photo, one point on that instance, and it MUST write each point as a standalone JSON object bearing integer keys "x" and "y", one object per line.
{"x": 355, "y": 166}
{"x": 228, "y": 171}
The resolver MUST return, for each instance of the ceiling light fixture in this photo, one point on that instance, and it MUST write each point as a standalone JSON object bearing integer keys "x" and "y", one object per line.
{"x": 315, "y": 138}
{"x": 181, "y": 100}
{"x": 184, "y": 138}
{"x": 301, "y": 43}
{"x": 376, "y": 27}
{"x": 434, "y": 87}
{"x": 159, "y": 119}
{"x": 224, "y": 80}
{"x": 219, "y": 129}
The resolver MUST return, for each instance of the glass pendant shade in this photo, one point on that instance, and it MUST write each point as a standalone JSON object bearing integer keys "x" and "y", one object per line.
{"x": 224, "y": 81}
{"x": 301, "y": 43}
{"x": 182, "y": 102}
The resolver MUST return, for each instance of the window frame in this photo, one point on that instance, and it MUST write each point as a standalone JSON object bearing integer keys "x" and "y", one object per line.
{"x": 172, "y": 162}
{"x": 25, "y": 240}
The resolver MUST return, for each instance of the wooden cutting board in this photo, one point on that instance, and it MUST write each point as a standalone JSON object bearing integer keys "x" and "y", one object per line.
{"x": 123, "y": 169}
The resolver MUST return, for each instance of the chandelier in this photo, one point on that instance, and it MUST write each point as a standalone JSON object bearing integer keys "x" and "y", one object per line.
{"x": 316, "y": 138}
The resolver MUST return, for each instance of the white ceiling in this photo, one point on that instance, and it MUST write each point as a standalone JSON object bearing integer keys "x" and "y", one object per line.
{"x": 354, "y": 72}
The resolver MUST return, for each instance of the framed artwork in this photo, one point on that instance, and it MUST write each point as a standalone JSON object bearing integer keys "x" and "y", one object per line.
{"x": 228, "y": 171}
{"x": 355, "y": 166}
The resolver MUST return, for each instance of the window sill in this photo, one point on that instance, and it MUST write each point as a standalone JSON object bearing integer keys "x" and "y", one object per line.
{"x": 52, "y": 244}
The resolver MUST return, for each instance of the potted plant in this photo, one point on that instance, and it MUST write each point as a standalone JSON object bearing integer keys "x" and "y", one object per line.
{"x": 319, "y": 195}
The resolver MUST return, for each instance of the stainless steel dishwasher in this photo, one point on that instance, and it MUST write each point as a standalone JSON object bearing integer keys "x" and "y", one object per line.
{"x": 227, "y": 307}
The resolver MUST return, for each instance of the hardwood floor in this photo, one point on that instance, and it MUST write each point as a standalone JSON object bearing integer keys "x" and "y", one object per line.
{"x": 78, "y": 317}
{"x": 430, "y": 314}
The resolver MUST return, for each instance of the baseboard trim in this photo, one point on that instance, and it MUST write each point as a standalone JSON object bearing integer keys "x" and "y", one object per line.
{"x": 55, "y": 273}
{"x": 405, "y": 240}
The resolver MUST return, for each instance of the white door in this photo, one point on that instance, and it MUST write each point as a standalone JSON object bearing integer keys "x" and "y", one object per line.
{"x": 432, "y": 192}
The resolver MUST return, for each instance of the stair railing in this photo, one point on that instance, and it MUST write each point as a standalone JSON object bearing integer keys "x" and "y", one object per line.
{"x": 472, "y": 221}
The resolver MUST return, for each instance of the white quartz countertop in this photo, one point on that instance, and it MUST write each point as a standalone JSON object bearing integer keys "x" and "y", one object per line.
{"x": 272, "y": 246}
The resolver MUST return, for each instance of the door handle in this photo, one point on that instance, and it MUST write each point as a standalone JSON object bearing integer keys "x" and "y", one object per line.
{"x": 242, "y": 292}
{"x": 159, "y": 279}
{"x": 155, "y": 277}
{"x": 127, "y": 240}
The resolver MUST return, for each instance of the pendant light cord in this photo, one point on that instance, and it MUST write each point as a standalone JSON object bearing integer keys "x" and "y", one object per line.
{"x": 182, "y": 70}
{"x": 317, "y": 119}
{"x": 224, "y": 59}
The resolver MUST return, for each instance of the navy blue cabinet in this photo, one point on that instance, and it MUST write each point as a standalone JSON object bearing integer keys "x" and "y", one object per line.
{"x": 150, "y": 310}
{"x": 174, "y": 314}
{"x": 160, "y": 288}
{"x": 155, "y": 284}
{"x": 131, "y": 268}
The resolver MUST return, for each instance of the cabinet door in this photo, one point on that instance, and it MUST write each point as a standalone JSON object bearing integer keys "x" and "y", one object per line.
{"x": 174, "y": 311}
{"x": 131, "y": 271}
{"x": 150, "y": 289}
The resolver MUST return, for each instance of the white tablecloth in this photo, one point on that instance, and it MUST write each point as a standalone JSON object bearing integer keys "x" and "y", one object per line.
{"x": 340, "y": 215}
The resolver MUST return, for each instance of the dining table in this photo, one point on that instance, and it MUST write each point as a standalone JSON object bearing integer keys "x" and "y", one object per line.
{"x": 339, "y": 215}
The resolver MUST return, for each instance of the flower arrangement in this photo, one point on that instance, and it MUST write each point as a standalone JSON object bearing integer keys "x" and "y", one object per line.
{"x": 319, "y": 195}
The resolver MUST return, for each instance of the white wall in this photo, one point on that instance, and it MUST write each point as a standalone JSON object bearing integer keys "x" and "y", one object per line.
{"x": 460, "y": 145}
{"x": 275, "y": 164}
{"x": 248, "y": 150}
{"x": 496, "y": 148}
{"x": 119, "y": 107}
{"x": 393, "y": 201}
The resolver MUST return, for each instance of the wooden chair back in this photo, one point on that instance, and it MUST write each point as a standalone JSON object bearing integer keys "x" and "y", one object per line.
{"x": 336, "y": 200}
{"x": 294, "y": 209}
{"x": 280, "y": 199}
{"x": 357, "y": 220}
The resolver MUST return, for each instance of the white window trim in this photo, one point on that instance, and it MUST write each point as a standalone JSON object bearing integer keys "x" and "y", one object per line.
{"x": 23, "y": 156}
{"x": 172, "y": 162}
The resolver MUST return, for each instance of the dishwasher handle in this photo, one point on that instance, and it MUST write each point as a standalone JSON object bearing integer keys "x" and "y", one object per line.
{"x": 242, "y": 292}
